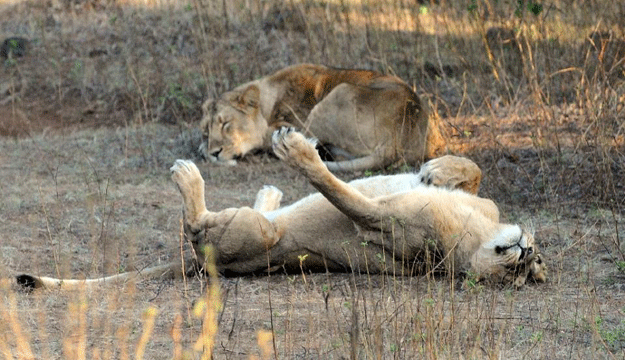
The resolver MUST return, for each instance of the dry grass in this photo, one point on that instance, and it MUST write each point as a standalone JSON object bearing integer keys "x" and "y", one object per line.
{"x": 109, "y": 94}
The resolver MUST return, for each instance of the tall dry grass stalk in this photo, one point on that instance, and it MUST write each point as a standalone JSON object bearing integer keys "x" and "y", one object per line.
{"x": 19, "y": 340}
{"x": 208, "y": 310}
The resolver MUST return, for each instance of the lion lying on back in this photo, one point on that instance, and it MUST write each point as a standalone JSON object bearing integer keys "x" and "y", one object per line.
{"x": 372, "y": 120}
{"x": 400, "y": 224}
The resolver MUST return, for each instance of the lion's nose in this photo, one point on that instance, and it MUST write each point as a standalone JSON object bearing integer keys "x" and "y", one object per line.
{"x": 216, "y": 153}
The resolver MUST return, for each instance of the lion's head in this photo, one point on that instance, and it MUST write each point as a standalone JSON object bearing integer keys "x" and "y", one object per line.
{"x": 513, "y": 258}
{"x": 232, "y": 126}
{"x": 524, "y": 261}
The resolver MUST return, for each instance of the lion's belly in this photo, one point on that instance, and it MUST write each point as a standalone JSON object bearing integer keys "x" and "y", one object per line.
{"x": 374, "y": 186}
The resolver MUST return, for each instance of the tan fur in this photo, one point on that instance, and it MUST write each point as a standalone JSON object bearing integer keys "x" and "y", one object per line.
{"x": 383, "y": 224}
{"x": 376, "y": 119}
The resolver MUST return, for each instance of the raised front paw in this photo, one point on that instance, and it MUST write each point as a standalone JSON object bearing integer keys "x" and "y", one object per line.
{"x": 294, "y": 149}
{"x": 452, "y": 172}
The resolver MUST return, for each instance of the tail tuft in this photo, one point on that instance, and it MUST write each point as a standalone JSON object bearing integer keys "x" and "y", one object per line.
{"x": 28, "y": 283}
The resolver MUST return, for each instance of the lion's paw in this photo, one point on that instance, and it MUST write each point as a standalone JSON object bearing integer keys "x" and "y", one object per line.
{"x": 539, "y": 270}
{"x": 184, "y": 168}
{"x": 453, "y": 172}
{"x": 293, "y": 148}
{"x": 268, "y": 199}
{"x": 186, "y": 174}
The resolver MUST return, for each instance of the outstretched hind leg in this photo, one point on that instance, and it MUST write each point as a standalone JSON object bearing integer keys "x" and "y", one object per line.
{"x": 187, "y": 177}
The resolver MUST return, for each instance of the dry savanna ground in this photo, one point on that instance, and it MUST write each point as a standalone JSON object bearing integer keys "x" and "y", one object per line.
{"x": 107, "y": 96}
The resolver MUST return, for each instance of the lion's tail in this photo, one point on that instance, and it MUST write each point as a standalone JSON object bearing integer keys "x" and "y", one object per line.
{"x": 372, "y": 161}
{"x": 166, "y": 271}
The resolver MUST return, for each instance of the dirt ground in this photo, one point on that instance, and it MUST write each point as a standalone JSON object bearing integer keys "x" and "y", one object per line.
{"x": 83, "y": 202}
{"x": 96, "y": 113}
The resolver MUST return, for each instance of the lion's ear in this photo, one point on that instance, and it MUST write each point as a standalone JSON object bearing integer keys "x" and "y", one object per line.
{"x": 208, "y": 106}
{"x": 250, "y": 97}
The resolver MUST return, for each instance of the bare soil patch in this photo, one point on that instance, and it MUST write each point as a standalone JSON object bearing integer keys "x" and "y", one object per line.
{"x": 108, "y": 96}
{"x": 91, "y": 202}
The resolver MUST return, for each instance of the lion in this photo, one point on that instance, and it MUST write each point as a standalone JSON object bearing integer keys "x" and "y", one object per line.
{"x": 405, "y": 224}
{"x": 368, "y": 119}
